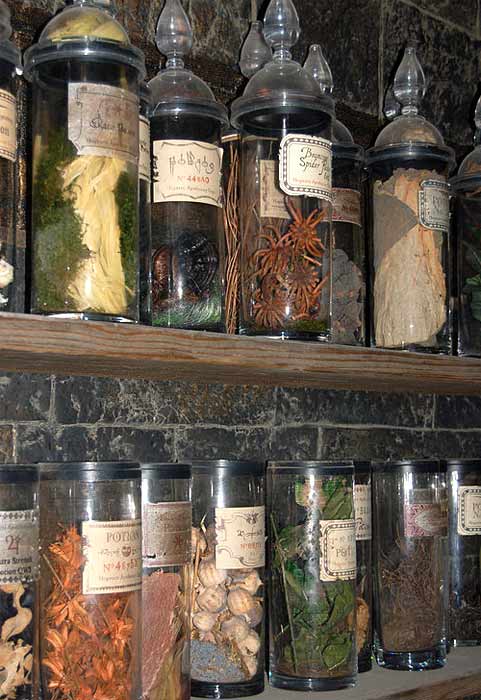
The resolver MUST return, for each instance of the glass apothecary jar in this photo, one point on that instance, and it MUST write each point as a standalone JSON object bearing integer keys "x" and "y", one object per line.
{"x": 187, "y": 215}
{"x": 409, "y": 225}
{"x": 166, "y": 581}
{"x": 145, "y": 183}
{"x": 285, "y": 192}
{"x": 349, "y": 264}
{"x": 91, "y": 579}
{"x": 410, "y": 564}
{"x": 19, "y": 547}
{"x": 312, "y": 575}
{"x": 227, "y": 646}
{"x": 85, "y": 232}
{"x": 464, "y": 496}
{"x": 364, "y": 611}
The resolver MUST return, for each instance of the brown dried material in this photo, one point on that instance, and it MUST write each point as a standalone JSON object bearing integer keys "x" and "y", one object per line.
{"x": 362, "y": 623}
{"x": 232, "y": 237}
{"x": 16, "y": 658}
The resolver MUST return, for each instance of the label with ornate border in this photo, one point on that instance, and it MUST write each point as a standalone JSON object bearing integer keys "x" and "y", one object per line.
{"x": 362, "y": 511}
{"x": 8, "y": 126}
{"x": 18, "y": 546}
{"x": 167, "y": 534}
{"x": 434, "y": 205}
{"x": 338, "y": 550}
{"x": 305, "y": 166}
{"x": 240, "y": 538}
{"x": 469, "y": 510}
{"x": 346, "y": 207}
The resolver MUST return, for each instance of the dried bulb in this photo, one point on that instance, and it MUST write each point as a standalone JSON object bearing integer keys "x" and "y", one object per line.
{"x": 250, "y": 645}
{"x": 212, "y": 599}
{"x": 250, "y": 663}
{"x": 209, "y": 575}
{"x": 204, "y": 621}
{"x": 236, "y": 629}
{"x": 239, "y": 601}
{"x": 251, "y": 583}
{"x": 254, "y": 615}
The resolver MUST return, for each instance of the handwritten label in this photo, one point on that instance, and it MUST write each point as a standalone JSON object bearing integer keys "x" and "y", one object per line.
{"x": 144, "y": 149}
{"x": 424, "y": 520}
{"x": 305, "y": 166}
{"x": 240, "y": 538}
{"x": 187, "y": 171}
{"x": 469, "y": 510}
{"x": 103, "y": 121}
{"x": 18, "y": 546}
{"x": 113, "y": 553}
{"x": 273, "y": 201}
{"x": 8, "y": 126}
{"x": 167, "y": 534}
{"x": 337, "y": 550}
{"x": 434, "y": 205}
{"x": 362, "y": 510}
{"x": 346, "y": 206}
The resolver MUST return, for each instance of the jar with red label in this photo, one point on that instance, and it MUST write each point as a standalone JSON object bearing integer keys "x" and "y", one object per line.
{"x": 91, "y": 580}
{"x": 228, "y": 554}
{"x": 312, "y": 575}
{"x": 410, "y": 564}
{"x": 364, "y": 611}
{"x": 166, "y": 580}
{"x": 285, "y": 192}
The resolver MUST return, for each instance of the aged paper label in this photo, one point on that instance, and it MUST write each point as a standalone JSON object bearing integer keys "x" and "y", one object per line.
{"x": 187, "y": 171}
{"x": 18, "y": 546}
{"x": 144, "y": 149}
{"x": 103, "y": 121}
{"x": 469, "y": 510}
{"x": 362, "y": 511}
{"x": 424, "y": 520}
{"x": 273, "y": 203}
{"x": 346, "y": 206}
{"x": 434, "y": 205}
{"x": 113, "y": 552}
{"x": 338, "y": 550}
{"x": 305, "y": 166}
{"x": 240, "y": 538}
{"x": 167, "y": 534}
{"x": 8, "y": 126}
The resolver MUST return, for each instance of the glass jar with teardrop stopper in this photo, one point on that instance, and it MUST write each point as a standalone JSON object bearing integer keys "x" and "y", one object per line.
{"x": 10, "y": 63}
{"x": 187, "y": 216}
{"x": 349, "y": 263}
{"x": 409, "y": 225}
{"x": 466, "y": 188}
{"x": 85, "y": 75}
{"x": 285, "y": 197}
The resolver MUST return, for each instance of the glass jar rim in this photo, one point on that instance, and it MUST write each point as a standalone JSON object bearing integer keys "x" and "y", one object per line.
{"x": 89, "y": 471}
{"x": 165, "y": 470}
{"x": 228, "y": 467}
{"x": 407, "y": 466}
{"x": 18, "y": 473}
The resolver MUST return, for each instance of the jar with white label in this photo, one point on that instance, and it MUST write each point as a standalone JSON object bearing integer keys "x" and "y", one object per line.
{"x": 363, "y": 516}
{"x": 166, "y": 580}
{"x": 187, "y": 203}
{"x": 285, "y": 192}
{"x": 10, "y": 65}
{"x": 464, "y": 494}
{"x": 19, "y": 574}
{"x": 312, "y": 575}
{"x": 85, "y": 78}
{"x": 91, "y": 580}
{"x": 410, "y": 247}
{"x": 410, "y": 564}
{"x": 145, "y": 181}
{"x": 228, "y": 554}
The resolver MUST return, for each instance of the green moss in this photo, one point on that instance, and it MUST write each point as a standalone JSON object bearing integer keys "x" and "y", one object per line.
{"x": 126, "y": 199}
{"x": 308, "y": 326}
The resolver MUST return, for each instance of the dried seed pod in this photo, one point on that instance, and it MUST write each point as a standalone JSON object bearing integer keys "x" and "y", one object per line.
{"x": 240, "y": 601}
{"x": 198, "y": 541}
{"x": 204, "y": 621}
{"x": 208, "y": 637}
{"x": 251, "y": 583}
{"x": 213, "y": 599}
{"x": 210, "y": 576}
{"x": 250, "y": 645}
{"x": 236, "y": 628}
{"x": 254, "y": 615}
{"x": 250, "y": 664}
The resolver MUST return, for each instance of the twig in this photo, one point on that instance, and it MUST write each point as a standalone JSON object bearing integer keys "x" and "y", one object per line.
{"x": 284, "y": 581}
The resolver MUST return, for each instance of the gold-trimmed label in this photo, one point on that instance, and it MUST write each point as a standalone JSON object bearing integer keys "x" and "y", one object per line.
{"x": 363, "y": 511}
{"x": 240, "y": 538}
{"x": 337, "y": 550}
{"x": 18, "y": 546}
{"x": 113, "y": 553}
{"x": 167, "y": 534}
{"x": 144, "y": 149}
{"x": 469, "y": 510}
{"x": 346, "y": 207}
{"x": 434, "y": 205}
{"x": 305, "y": 166}
{"x": 8, "y": 126}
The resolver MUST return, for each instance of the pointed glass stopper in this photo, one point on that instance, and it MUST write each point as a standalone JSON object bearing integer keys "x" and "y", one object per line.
{"x": 255, "y": 52}
{"x": 5, "y": 24}
{"x": 174, "y": 34}
{"x": 392, "y": 108}
{"x": 281, "y": 27}
{"x": 477, "y": 122}
{"x": 318, "y": 67}
{"x": 409, "y": 83}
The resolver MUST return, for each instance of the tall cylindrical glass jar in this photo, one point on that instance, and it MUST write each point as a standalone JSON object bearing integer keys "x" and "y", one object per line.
{"x": 410, "y": 559}
{"x": 187, "y": 216}
{"x": 85, "y": 231}
{"x": 10, "y": 62}
{"x": 464, "y": 496}
{"x": 363, "y": 515}
{"x": 312, "y": 575}
{"x": 145, "y": 181}
{"x": 91, "y": 580}
{"x": 409, "y": 225}
{"x": 285, "y": 192}
{"x": 19, "y": 573}
{"x": 166, "y": 581}
{"x": 227, "y": 647}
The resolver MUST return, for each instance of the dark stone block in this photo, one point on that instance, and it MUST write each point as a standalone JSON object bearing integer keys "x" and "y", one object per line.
{"x": 136, "y": 445}
{"x": 39, "y": 443}
{"x": 223, "y": 443}
{"x": 458, "y": 412}
{"x": 24, "y": 397}
{"x": 296, "y": 443}
{"x": 464, "y": 13}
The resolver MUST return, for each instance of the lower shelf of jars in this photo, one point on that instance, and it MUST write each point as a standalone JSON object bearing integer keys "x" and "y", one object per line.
{"x": 460, "y": 679}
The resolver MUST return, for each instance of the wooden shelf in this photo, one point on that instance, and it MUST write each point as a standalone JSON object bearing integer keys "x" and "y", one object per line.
{"x": 49, "y": 345}
{"x": 460, "y": 679}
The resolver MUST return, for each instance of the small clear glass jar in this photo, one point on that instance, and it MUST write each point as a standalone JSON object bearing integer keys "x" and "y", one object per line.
{"x": 19, "y": 573}
{"x": 145, "y": 183}
{"x": 410, "y": 248}
{"x": 227, "y": 646}
{"x": 166, "y": 580}
{"x": 410, "y": 564}
{"x": 91, "y": 580}
{"x": 464, "y": 496}
{"x": 85, "y": 77}
{"x": 312, "y": 575}
{"x": 364, "y": 611}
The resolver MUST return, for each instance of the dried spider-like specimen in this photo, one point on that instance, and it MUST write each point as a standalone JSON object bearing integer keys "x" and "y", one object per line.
{"x": 303, "y": 231}
{"x": 302, "y": 280}
{"x": 276, "y": 253}
{"x": 270, "y": 308}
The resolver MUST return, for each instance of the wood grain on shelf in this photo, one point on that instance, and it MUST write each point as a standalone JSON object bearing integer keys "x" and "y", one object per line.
{"x": 41, "y": 344}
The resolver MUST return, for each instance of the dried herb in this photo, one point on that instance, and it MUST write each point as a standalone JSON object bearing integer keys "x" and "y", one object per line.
{"x": 126, "y": 199}
{"x": 16, "y": 639}
{"x": 232, "y": 235}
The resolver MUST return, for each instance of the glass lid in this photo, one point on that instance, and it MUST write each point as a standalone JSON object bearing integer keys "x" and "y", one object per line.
{"x": 255, "y": 52}
{"x": 8, "y": 50}
{"x": 471, "y": 165}
{"x": 176, "y": 89}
